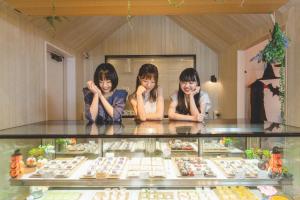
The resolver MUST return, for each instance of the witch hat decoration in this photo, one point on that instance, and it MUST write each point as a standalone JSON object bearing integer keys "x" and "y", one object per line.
{"x": 269, "y": 73}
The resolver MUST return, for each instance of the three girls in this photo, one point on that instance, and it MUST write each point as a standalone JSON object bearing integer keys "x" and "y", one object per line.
{"x": 104, "y": 103}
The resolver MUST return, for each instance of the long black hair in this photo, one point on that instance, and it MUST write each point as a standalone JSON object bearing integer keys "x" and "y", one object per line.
{"x": 108, "y": 72}
{"x": 148, "y": 71}
{"x": 187, "y": 75}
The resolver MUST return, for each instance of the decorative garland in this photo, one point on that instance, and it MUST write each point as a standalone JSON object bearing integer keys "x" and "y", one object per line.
{"x": 129, "y": 16}
{"x": 242, "y": 3}
{"x": 282, "y": 91}
{"x": 53, "y": 18}
{"x": 275, "y": 52}
{"x": 176, "y": 3}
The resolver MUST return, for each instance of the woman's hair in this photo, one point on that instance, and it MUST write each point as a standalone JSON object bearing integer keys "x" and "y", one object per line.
{"x": 187, "y": 75}
{"x": 106, "y": 71}
{"x": 148, "y": 71}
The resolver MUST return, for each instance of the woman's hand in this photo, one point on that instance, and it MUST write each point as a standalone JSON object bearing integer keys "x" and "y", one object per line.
{"x": 199, "y": 118}
{"x": 141, "y": 89}
{"x": 93, "y": 88}
{"x": 195, "y": 91}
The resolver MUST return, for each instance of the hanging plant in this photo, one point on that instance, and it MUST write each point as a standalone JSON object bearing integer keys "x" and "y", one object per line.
{"x": 176, "y": 3}
{"x": 242, "y": 3}
{"x": 129, "y": 16}
{"x": 274, "y": 53}
{"x": 53, "y": 18}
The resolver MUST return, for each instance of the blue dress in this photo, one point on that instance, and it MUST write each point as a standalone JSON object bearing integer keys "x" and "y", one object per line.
{"x": 117, "y": 100}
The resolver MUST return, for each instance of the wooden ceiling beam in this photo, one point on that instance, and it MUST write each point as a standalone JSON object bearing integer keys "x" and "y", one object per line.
{"x": 143, "y": 7}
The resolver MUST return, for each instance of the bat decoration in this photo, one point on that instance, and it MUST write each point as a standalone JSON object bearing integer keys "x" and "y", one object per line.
{"x": 275, "y": 91}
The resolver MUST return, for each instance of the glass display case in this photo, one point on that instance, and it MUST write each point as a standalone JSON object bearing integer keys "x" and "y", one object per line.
{"x": 225, "y": 159}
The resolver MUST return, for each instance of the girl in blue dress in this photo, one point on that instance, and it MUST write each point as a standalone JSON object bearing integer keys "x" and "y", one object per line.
{"x": 103, "y": 102}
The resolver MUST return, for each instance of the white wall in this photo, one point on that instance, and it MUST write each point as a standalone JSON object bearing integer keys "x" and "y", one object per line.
{"x": 254, "y": 71}
{"x": 247, "y": 73}
{"x": 241, "y": 91}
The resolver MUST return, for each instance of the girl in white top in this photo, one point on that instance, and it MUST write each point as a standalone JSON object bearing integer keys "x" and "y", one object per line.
{"x": 189, "y": 103}
{"x": 147, "y": 101}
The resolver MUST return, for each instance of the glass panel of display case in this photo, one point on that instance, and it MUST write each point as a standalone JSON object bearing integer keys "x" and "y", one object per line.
{"x": 159, "y": 159}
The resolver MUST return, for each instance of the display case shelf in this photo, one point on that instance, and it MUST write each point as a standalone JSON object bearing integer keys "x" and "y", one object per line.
{"x": 172, "y": 179}
{"x": 157, "y": 183}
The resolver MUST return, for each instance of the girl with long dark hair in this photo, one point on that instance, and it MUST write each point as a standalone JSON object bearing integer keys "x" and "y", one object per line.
{"x": 147, "y": 100}
{"x": 103, "y": 102}
{"x": 189, "y": 103}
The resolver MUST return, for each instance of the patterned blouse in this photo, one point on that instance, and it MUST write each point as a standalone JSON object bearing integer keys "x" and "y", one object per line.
{"x": 117, "y": 100}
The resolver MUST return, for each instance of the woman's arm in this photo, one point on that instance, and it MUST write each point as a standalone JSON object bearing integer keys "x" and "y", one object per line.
{"x": 94, "y": 107}
{"x": 176, "y": 116}
{"x": 200, "y": 115}
{"x": 139, "y": 110}
{"x": 118, "y": 104}
{"x": 193, "y": 108}
{"x": 106, "y": 105}
{"x": 159, "y": 114}
{"x": 138, "y": 104}
{"x": 133, "y": 104}
{"x": 114, "y": 110}
{"x": 91, "y": 101}
{"x": 141, "y": 114}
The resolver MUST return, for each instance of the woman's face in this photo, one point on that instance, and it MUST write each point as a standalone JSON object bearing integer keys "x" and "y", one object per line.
{"x": 188, "y": 86}
{"x": 105, "y": 85}
{"x": 147, "y": 83}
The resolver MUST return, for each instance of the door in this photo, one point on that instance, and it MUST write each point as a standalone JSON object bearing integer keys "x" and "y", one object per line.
{"x": 55, "y": 87}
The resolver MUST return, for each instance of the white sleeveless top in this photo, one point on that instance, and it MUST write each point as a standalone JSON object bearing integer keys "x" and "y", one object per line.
{"x": 149, "y": 106}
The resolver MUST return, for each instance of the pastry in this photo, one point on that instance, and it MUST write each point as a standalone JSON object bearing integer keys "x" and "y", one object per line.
{"x": 147, "y": 167}
{"x": 31, "y": 162}
{"x": 58, "y": 168}
{"x": 114, "y": 194}
{"x": 53, "y": 195}
{"x": 177, "y": 144}
{"x": 193, "y": 167}
{"x": 278, "y": 197}
{"x": 155, "y": 195}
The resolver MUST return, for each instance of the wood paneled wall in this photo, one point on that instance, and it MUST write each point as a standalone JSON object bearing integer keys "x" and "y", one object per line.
{"x": 228, "y": 80}
{"x": 293, "y": 63}
{"x": 156, "y": 35}
{"x": 22, "y": 74}
{"x": 22, "y": 70}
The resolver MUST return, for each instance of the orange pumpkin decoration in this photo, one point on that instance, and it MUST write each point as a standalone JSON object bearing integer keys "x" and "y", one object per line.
{"x": 275, "y": 163}
{"x": 16, "y": 166}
